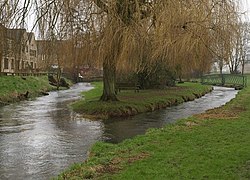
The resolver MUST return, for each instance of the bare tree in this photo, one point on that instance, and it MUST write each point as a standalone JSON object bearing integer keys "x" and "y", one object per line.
{"x": 238, "y": 54}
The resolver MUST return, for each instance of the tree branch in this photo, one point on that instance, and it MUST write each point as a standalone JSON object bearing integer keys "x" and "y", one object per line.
{"x": 101, "y": 5}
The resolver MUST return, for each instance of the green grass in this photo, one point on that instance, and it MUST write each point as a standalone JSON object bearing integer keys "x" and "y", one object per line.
{"x": 95, "y": 93}
{"x": 12, "y": 86}
{"x": 212, "y": 145}
{"x": 132, "y": 103}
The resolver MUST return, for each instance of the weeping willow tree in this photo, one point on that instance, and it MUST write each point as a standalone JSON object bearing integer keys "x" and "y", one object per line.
{"x": 114, "y": 30}
{"x": 196, "y": 32}
{"x": 187, "y": 33}
{"x": 139, "y": 34}
{"x": 123, "y": 31}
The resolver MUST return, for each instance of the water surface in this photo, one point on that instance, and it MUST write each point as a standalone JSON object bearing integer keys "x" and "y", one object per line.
{"x": 40, "y": 138}
{"x": 116, "y": 130}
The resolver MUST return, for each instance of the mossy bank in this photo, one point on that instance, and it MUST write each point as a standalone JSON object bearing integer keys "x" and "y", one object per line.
{"x": 212, "y": 145}
{"x": 13, "y": 88}
{"x": 132, "y": 103}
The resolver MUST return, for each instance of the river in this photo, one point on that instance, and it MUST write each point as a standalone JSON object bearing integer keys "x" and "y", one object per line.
{"x": 42, "y": 137}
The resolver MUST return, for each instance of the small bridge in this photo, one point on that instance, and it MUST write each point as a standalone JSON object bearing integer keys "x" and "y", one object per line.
{"x": 227, "y": 80}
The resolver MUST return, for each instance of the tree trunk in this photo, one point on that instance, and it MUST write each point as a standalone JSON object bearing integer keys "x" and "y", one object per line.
{"x": 1, "y": 59}
{"x": 109, "y": 72}
{"x": 243, "y": 66}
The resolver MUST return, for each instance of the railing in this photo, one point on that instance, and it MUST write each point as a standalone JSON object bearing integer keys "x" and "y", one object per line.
{"x": 227, "y": 80}
{"x": 90, "y": 78}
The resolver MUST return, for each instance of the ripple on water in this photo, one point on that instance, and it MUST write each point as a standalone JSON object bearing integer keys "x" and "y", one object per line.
{"x": 42, "y": 137}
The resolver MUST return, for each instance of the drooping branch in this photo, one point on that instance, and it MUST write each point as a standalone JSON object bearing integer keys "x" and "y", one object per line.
{"x": 102, "y": 5}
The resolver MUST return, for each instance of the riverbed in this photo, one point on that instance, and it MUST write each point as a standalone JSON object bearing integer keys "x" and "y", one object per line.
{"x": 42, "y": 137}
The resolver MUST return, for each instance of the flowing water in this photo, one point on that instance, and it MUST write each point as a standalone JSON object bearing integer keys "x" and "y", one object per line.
{"x": 40, "y": 138}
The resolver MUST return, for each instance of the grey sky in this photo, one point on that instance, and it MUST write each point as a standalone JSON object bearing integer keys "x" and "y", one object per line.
{"x": 244, "y": 10}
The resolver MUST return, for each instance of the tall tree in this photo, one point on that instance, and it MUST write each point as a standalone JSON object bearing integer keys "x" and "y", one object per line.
{"x": 123, "y": 22}
{"x": 187, "y": 33}
{"x": 136, "y": 33}
{"x": 239, "y": 52}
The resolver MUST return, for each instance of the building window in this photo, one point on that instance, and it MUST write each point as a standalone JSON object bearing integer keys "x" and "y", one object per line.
{"x": 18, "y": 65}
{"x": 33, "y": 53}
{"x": 12, "y": 63}
{"x": 22, "y": 64}
{"x": 6, "y": 63}
{"x": 31, "y": 64}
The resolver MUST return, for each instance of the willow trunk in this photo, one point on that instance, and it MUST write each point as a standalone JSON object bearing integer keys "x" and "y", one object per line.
{"x": 109, "y": 74}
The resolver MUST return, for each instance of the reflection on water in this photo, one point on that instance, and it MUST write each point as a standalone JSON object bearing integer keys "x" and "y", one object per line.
{"x": 40, "y": 138}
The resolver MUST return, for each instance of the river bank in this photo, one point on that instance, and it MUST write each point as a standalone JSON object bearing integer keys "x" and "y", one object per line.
{"x": 132, "y": 103}
{"x": 211, "y": 145}
{"x": 15, "y": 88}
{"x": 48, "y": 137}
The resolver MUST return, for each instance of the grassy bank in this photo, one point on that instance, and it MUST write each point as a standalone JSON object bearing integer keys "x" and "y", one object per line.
{"x": 13, "y": 86}
{"x": 132, "y": 103}
{"x": 212, "y": 145}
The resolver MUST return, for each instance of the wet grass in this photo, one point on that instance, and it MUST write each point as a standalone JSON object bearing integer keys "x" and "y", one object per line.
{"x": 212, "y": 145}
{"x": 132, "y": 103}
{"x": 12, "y": 86}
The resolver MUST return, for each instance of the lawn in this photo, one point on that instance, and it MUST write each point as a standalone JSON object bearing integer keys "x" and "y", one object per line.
{"x": 132, "y": 103}
{"x": 212, "y": 145}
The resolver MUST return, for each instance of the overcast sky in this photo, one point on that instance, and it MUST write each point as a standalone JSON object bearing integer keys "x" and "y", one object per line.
{"x": 245, "y": 8}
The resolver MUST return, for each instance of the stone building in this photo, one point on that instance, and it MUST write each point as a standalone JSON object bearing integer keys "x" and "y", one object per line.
{"x": 6, "y": 51}
{"x": 18, "y": 51}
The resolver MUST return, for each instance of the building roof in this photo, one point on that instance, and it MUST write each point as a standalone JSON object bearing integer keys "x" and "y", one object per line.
{"x": 2, "y": 26}
{"x": 15, "y": 34}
